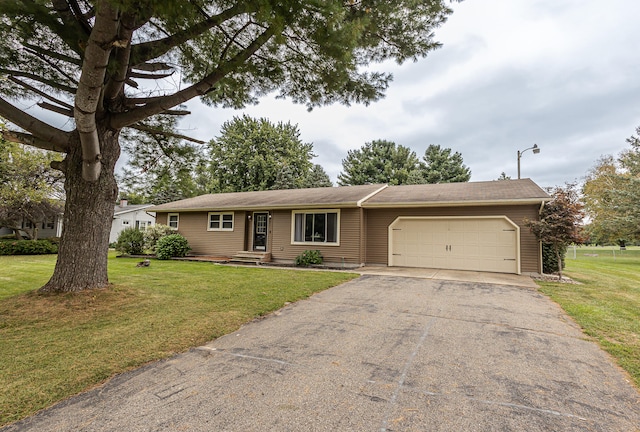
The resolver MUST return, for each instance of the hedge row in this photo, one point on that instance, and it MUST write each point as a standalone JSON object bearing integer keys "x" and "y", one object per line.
{"x": 28, "y": 247}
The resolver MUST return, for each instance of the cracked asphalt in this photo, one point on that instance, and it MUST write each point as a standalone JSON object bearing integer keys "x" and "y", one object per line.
{"x": 380, "y": 353}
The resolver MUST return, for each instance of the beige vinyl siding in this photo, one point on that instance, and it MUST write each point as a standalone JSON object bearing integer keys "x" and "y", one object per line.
{"x": 161, "y": 218}
{"x": 378, "y": 221}
{"x": 348, "y": 251}
{"x": 193, "y": 225}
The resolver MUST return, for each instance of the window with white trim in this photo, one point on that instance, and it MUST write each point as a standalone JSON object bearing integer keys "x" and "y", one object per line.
{"x": 219, "y": 221}
{"x": 316, "y": 227}
{"x": 172, "y": 220}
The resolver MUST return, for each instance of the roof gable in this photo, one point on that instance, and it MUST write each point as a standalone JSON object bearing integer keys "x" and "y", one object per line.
{"x": 449, "y": 194}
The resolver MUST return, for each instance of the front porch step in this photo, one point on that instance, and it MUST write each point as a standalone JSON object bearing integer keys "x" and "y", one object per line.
{"x": 251, "y": 257}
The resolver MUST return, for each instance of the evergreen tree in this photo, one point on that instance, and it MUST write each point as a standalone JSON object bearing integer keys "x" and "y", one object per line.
{"x": 440, "y": 166}
{"x": 316, "y": 178}
{"x": 378, "y": 161}
{"x": 105, "y": 64}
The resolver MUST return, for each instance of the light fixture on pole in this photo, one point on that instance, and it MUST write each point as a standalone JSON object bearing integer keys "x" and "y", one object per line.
{"x": 535, "y": 149}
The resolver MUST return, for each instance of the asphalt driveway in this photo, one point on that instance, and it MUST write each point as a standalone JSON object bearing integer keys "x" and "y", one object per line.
{"x": 380, "y": 353}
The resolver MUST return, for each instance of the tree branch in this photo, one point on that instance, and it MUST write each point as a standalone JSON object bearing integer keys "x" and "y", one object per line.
{"x": 198, "y": 89}
{"x": 30, "y": 140}
{"x": 141, "y": 101}
{"x": 40, "y": 92}
{"x": 176, "y": 112}
{"x": 141, "y": 127}
{"x": 54, "y": 137}
{"x": 54, "y": 66}
{"x": 55, "y": 55}
{"x": 32, "y": 76}
{"x": 79, "y": 16}
{"x": 146, "y": 51}
{"x": 150, "y": 76}
{"x": 116, "y": 82}
{"x": 90, "y": 87}
{"x": 62, "y": 8}
{"x": 56, "y": 109}
{"x": 232, "y": 40}
{"x": 69, "y": 23}
{"x": 152, "y": 67}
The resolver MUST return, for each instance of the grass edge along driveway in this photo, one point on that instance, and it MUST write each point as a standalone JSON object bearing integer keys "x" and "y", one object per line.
{"x": 606, "y": 303}
{"x": 54, "y": 346}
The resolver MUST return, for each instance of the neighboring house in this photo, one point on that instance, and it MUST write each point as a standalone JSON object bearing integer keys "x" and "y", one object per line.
{"x": 466, "y": 226}
{"x": 47, "y": 229}
{"x": 130, "y": 216}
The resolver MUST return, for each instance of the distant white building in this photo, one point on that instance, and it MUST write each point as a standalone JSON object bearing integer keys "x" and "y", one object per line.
{"x": 50, "y": 228}
{"x": 130, "y": 216}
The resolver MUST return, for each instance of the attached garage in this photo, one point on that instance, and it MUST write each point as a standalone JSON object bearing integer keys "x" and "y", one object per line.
{"x": 457, "y": 226}
{"x": 461, "y": 243}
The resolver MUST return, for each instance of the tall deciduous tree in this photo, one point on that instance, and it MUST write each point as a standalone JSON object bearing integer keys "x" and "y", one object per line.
{"x": 30, "y": 191}
{"x": 560, "y": 221}
{"x": 612, "y": 195}
{"x": 103, "y": 63}
{"x": 255, "y": 154}
{"x": 378, "y": 161}
{"x": 442, "y": 166}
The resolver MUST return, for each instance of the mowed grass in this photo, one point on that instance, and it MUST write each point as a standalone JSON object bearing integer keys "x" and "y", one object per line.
{"x": 53, "y": 346}
{"x": 607, "y": 303}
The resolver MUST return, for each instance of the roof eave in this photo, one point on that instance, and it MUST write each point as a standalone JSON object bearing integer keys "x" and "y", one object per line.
{"x": 523, "y": 201}
{"x": 146, "y": 208}
{"x": 258, "y": 208}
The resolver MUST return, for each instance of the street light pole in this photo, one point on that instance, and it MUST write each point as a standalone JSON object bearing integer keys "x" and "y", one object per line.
{"x": 535, "y": 149}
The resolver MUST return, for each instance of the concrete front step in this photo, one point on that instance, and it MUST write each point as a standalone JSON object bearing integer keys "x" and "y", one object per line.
{"x": 249, "y": 256}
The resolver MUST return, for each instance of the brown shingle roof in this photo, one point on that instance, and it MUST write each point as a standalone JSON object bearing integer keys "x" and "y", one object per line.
{"x": 446, "y": 194}
{"x": 472, "y": 193}
{"x": 347, "y": 196}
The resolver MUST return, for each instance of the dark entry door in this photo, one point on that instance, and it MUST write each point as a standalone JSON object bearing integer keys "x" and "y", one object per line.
{"x": 260, "y": 221}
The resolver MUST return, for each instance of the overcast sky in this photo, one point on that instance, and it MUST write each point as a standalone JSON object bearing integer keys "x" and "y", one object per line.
{"x": 563, "y": 74}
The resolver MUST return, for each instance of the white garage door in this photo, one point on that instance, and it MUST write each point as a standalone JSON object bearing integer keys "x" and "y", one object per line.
{"x": 481, "y": 243}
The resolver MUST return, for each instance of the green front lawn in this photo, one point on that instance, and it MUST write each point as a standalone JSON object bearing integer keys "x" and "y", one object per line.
{"x": 607, "y": 303}
{"x": 53, "y": 346}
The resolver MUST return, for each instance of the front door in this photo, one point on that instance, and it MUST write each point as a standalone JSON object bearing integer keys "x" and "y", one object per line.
{"x": 260, "y": 221}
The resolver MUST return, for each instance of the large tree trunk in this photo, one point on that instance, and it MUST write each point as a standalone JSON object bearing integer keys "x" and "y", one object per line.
{"x": 84, "y": 245}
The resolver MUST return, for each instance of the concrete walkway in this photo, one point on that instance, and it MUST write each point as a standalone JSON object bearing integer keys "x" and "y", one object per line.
{"x": 450, "y": 275}
{"x": 380, "y": 353}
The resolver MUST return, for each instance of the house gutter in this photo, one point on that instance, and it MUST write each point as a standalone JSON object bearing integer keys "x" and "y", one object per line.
{"x": 455, "y": 203}
{"x": 259, "y": 208}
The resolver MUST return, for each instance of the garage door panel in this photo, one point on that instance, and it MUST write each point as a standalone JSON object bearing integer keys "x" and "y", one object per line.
{"x": 482, "y": 244}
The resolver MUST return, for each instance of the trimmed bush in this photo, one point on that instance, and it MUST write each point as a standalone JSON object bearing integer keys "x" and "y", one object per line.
{"x": 308, "y": 257}
{"x": 154, "y": 233}
{"x": 550, "y": 260}
{"x": 130, "y": 242}
{"x": 173, "y": 245}
{"x": 28, "y": 247}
